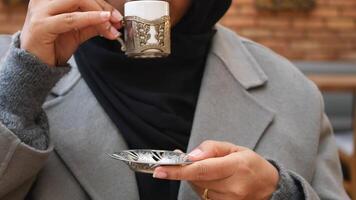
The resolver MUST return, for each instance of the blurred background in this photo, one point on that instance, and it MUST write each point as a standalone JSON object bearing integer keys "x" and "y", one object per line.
{"x": 318, "y": 36}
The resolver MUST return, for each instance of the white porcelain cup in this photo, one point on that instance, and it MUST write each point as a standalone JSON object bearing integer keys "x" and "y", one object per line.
{"x": 147, "y": 28}
{"x": 147, "y": 9}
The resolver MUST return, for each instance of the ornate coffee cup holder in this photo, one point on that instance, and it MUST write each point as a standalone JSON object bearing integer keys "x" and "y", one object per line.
{"x": 146, "y": 38}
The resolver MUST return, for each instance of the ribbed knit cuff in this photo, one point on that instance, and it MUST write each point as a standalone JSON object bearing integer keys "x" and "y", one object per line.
{"x": 25, "y": 81}
{"x": 288, "y": 187}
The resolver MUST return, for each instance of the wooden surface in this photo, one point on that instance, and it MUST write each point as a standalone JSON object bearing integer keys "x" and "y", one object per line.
{"x": 331, "y": 82}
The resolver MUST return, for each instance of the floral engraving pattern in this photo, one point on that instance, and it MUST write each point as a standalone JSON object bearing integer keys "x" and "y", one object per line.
{"x": 147, "y": 160}
{"x": 145, "y": 38}
{"x": 143, "y": 33}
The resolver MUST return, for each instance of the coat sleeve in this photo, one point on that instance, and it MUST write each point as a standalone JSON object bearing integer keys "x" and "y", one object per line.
{"x": 24, "y": 132}
{"x": 19, "y": 165}
{"x": 327, "y": 180}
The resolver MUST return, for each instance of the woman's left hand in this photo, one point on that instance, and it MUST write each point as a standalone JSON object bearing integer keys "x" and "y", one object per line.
{"x": 227, "y": 171}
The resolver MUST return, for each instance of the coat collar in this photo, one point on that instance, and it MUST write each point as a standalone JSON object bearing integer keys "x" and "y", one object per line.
{"x": 231, "y": 49}
{"x": 226, "y": 110}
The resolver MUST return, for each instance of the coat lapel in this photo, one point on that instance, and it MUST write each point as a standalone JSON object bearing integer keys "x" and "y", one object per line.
{"x": 84, "y": 141}
{"x": 226, "y": 110}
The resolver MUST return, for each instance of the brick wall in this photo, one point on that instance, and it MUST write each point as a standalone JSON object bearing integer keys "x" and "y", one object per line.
{"x": 328, "y": 32}
{"x": 11, "y": 18}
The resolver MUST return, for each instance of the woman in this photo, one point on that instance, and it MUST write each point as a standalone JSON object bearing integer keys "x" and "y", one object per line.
{"x": 214, "y": 87}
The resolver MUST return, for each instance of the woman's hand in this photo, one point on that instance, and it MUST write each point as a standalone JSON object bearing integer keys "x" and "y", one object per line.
{"x": 54, "y": 29}
{"x": 229, "y": 172}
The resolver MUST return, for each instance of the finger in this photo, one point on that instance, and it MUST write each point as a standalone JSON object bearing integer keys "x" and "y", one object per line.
{"x": 212, "y": 149}
{"x": 116, "y": 15}
{"x": 115, "y": 19}
{"x": 66, "y": 6}
{"x": 212, "y": 194}
{"x": 77, "y": 20}
{"x": 56, "y": 7}
{"x": 221, "y": 185}
{"x": 216, "y": 189}
{"x": 117, "y": 25}
{"x": 87, "y": 33}
{"x": 204, "y": 170}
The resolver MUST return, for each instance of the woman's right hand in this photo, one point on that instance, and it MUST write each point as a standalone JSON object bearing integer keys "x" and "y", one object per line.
{"x": 54, "y": 29}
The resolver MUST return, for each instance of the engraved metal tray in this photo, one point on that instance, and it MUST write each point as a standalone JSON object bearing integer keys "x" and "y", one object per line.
{"x": 145, "y": 160}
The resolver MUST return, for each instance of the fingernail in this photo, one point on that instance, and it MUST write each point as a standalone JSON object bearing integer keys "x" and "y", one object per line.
{"x": 178, "y": 151}
{"x": 160, "y": 175}
{"x": 195, "y": 153}
{"x": 117, "y": 15}
{"x": 114, "y": 31}
{"x": 105, "y": 15}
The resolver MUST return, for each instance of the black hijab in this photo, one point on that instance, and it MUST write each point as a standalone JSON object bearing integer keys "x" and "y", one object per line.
{"x": 152, "y": 101}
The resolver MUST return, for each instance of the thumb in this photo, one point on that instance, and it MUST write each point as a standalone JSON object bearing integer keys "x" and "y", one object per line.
{"x": 213, "y": 149}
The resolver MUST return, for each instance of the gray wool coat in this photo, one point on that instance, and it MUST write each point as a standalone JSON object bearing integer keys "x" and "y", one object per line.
{"x": 249, "y": 96}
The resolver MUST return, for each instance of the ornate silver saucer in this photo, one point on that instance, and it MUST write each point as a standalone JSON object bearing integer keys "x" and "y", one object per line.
{"x": 144, "y": 160}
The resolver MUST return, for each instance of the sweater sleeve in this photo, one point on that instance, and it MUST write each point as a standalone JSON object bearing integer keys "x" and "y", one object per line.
{"x": 25, "y": 82}
{"x": 288, "y": 187}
